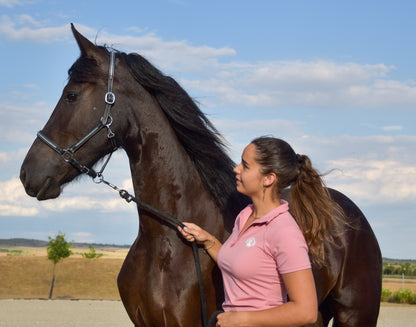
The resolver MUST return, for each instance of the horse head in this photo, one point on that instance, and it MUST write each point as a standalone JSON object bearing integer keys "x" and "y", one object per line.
{"x": 80, "y": 127}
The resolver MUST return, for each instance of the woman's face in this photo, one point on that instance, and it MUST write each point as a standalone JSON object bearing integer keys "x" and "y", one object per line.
{"x": 248, "y": 175}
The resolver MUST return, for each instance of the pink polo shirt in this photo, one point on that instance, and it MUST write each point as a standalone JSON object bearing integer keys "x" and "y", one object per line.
{"x": 252, "y": 262}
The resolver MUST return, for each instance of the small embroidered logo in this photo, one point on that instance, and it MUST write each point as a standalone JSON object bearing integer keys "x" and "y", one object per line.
{"x": 250, "y": 242}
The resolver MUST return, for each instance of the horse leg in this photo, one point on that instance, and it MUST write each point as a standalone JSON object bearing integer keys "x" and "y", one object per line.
{"x": 326, "y": 313}
{"x": 347, "y": 316}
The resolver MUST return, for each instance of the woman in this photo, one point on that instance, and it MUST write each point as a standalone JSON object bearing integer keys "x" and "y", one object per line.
{"x": 265, "y": 260}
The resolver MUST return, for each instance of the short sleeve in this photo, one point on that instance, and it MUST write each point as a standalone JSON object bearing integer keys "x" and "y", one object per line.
{"x": 288, "y": 247}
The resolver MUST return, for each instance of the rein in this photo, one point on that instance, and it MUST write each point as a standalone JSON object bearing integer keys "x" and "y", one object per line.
{"x": 106, "y": 120}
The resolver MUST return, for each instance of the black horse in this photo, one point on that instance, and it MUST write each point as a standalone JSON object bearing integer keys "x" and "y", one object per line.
{"x": 179, "y": 166}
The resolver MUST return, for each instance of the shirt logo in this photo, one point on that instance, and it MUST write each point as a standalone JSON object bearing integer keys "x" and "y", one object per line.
{"x": 250, "y": 242}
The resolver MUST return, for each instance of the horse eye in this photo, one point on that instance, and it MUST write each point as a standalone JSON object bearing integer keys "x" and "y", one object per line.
{"x": 71, "y": 97}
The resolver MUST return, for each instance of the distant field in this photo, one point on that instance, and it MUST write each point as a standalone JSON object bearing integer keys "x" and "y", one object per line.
{"x": 394, "y": 284}
{"x": 26, "y": 273}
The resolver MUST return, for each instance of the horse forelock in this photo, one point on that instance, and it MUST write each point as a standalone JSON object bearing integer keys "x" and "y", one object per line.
{"x": 85, "y": 69}
{"x": 200, "y": 139}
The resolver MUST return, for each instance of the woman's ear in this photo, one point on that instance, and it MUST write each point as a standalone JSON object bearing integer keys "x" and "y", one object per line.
{"x": 269, "y": 179}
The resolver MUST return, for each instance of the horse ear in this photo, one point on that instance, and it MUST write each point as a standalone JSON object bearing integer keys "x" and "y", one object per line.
{"x": 88, "y": 49}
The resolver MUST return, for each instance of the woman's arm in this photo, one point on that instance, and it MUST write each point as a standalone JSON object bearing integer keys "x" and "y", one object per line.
{"x": 194, "y": 233}
{"x": 302, "y": 308}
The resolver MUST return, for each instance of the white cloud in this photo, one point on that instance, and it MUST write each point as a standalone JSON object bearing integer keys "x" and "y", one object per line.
{"x": 10, "y": 3}
{"x": 375, "y": 181}
{"x": 28, "y": 20}
{"x": 101, "y": 201}
{"x": 315, "y": 75}
{"x": 174, "y": 56}
{"x": 12, "y": 210}
{"x": 314, "y": 84}
{"x": 31, "y": 30}
{"x": 15, "y": 202}
{"x": 393, "y": 128}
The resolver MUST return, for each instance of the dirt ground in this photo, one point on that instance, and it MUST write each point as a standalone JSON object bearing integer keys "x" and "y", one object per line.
{"x": 63, "y": 313}
{"x": 83, "y": 313}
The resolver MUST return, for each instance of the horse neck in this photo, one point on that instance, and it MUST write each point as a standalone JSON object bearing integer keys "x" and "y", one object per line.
{"x": 163, "y": 174}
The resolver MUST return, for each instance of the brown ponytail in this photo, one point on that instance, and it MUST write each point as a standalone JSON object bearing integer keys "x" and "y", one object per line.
{"x": 310, "y": 202}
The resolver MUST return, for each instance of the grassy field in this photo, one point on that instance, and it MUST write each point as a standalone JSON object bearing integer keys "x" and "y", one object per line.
{"x": 25, "y": 273}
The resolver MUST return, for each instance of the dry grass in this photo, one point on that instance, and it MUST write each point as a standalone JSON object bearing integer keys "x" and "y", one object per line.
{"x": 108, "y": 251}
{"x": 77, "y": 278}
{"x": 396, "y": 284}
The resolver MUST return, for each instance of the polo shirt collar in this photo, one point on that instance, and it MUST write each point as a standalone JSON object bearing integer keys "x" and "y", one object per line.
{"x": 284, "y": 207}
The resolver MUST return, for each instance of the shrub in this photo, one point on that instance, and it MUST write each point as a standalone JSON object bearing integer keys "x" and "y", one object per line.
{"x": 92, "y": 254}
{"x": 386, "y": 295}
{"x": 404, "y": 296}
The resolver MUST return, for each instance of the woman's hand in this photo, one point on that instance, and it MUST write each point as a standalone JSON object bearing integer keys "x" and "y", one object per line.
{"x": 232, "y": 319}
{"x": 194, "y": 233}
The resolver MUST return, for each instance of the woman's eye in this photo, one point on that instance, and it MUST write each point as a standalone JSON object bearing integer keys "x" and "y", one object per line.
{"x": 71, "y": 97}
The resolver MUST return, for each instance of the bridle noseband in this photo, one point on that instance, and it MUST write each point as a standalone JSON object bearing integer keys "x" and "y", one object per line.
{"x": 106, "y": 120}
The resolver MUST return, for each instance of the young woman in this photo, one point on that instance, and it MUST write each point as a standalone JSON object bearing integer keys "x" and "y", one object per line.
{"x": 265, "y": 264}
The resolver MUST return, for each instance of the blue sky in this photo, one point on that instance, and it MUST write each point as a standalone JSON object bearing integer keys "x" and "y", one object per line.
{"x": 335, "y": 79}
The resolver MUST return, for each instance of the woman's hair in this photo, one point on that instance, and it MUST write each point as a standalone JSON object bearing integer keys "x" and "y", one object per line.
{"x": 310, "y": 202}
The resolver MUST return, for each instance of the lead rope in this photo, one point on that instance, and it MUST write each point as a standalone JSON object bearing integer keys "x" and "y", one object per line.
{"x": 142, "y": 205}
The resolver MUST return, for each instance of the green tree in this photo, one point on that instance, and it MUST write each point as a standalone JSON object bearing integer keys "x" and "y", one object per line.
{"x": 58, "y": 250}
{"x": 92, "y": 254}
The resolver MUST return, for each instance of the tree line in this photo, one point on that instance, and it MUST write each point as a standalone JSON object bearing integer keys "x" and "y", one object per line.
{"x": 399, "y": 268}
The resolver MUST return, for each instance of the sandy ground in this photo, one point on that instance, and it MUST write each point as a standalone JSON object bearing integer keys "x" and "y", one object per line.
{"x": 64, "y": 313}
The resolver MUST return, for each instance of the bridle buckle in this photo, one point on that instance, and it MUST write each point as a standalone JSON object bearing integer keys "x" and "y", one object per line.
{"x": 110, "y": 98}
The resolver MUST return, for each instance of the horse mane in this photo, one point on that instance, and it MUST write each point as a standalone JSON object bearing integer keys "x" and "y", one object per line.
{"x": 200, "y": 139}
